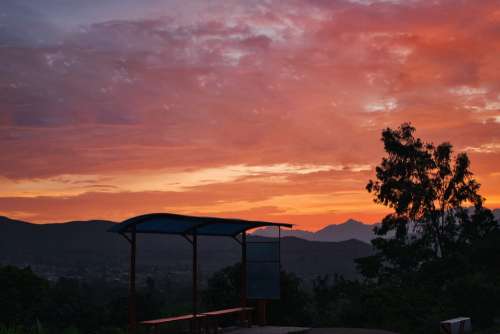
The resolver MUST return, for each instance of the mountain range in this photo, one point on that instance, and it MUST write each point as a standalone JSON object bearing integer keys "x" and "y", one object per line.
{"x": 351, "y": 229}
{"x": 85, "y": 248}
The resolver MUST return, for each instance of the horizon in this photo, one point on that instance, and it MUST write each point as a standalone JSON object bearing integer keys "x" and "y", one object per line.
{"x": 119, "y": 222}
{"x": 295, "y": 228}
{"x": 260, "y": 110}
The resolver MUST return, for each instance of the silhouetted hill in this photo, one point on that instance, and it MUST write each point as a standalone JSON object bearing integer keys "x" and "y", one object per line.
{"x": 87, "y": 247}
{"x": 312, "y": 258}
{"x": 351, "y": 229}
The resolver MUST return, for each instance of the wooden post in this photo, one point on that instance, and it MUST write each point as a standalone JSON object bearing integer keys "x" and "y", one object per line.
{"x": 244, "y": 316}
{"x": 132, "y": 320}
{"x": 195, "y": 281}
{"x": 261, "y": 312}
{"x": 244, "y": 269}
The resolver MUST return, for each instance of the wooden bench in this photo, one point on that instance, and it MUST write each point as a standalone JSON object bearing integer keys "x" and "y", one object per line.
{"x": 157, "y": 322}
{"x": 209, "y": 320}
{"x": 228, "y": 311}
{"x": 212, "y": 317}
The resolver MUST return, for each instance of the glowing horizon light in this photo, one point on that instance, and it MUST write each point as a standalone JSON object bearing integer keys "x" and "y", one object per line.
{"x": 159, "y": 180}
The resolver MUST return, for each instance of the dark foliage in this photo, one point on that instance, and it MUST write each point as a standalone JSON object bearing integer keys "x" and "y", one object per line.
{"x": 68, "y": 305}
{"x": 292, "y": 308}
{"x": 440, "y": 260}
{"x": 428, "y": 188}
{"x": 22, "y": 295}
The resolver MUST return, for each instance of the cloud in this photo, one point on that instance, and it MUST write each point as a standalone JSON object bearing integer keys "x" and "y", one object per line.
{"x": 160, "y": 180}
{"x": 263, "y": 97}
{"x": 21, "y": 25}
{"x": 484, "y": 148}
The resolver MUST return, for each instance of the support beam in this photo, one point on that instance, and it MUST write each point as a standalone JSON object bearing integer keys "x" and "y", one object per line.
{"x": 244, "y": 315}
{"x": 132, "y": 320}
{"x": 261, "y": 312}
{"x": 187, "y": 238}
{"x": 243, "y": 269}
{"x": 126, "y": 237}
{"x": 195, "y": 326}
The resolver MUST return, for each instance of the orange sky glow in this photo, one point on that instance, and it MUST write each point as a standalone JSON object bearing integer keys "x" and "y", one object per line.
{"x": 266, "y": 110}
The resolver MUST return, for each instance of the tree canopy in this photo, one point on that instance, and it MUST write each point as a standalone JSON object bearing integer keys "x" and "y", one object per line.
{"x": 437, "y": 245}
{"x": 432, "y": 192}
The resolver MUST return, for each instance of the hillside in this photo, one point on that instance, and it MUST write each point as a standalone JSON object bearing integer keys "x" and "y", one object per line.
{"x": 86, "y": 248}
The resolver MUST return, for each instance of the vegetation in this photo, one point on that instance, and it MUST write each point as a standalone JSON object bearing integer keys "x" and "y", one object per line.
{"x": 440, "y": 261}
{"x": 429, "y": 191}
{"x": 32, "y": 305}
{"x": 292, "y": 308}
{"x": 437, "y": 253}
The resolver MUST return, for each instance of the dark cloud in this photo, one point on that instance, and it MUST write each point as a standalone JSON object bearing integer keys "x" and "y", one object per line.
{"x": 24, "y": 26}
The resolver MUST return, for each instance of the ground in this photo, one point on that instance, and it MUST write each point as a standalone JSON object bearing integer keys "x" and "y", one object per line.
{"x": 299, "y": 330}
{"x": 347, "y": 331}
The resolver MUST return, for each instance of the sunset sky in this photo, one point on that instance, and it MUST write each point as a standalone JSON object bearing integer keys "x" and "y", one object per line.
{"x": 253, "y": 109}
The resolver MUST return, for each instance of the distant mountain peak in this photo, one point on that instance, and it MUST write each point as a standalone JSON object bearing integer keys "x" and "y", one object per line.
{"x": 353, "y": 222}
{"x": 348, "y": 224}
{"x": 350, "y": 229}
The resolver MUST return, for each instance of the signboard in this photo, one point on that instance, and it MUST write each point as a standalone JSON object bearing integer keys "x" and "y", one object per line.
{"x": 263, "y": 270}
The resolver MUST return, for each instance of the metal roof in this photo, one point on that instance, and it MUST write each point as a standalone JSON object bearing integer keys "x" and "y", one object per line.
{"x": 169, "y": 223}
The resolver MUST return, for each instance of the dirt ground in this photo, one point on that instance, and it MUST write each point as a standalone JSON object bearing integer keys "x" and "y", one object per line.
{"x": 347, "y": 331}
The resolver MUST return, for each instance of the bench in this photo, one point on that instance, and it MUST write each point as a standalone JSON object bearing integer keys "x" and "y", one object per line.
{"x": 156, "y": 322}
{"x": 211, "y": 320}
{"x": 229, "y": 311}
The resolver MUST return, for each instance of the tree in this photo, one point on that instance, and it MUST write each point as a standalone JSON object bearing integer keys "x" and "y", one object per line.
{"x": 429, "y": 190}
{"x": 23, "y": 296}
{"x": 223, "y": 290}
{"x": 437, "y": 252}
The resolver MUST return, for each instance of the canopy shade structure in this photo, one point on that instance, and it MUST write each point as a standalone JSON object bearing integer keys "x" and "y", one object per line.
{"x": 189, "y": 227}
{"x": 169, "y": 223}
